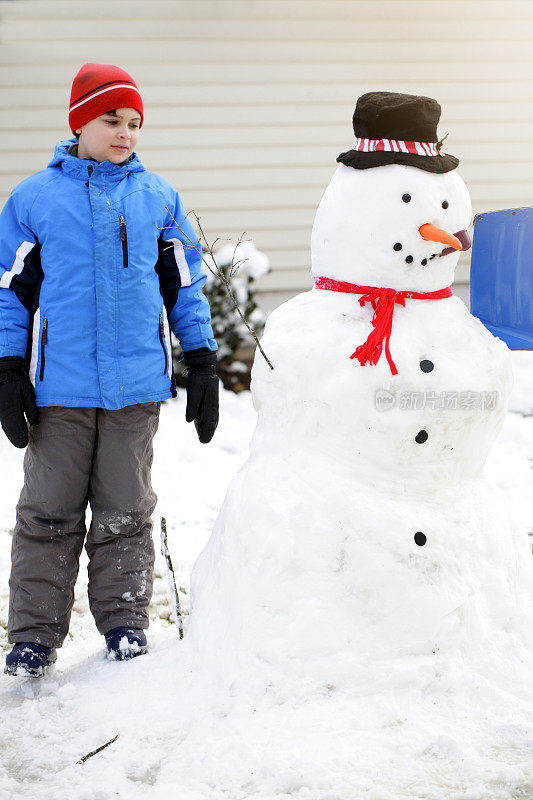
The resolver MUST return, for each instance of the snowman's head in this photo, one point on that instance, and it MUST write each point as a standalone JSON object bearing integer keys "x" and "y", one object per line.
{"x": 367, "y": 227}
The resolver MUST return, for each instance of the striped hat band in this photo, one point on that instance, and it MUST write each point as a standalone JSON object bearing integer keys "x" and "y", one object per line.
{"x": 102, "y": 90}
{"x": 396, "y": 146}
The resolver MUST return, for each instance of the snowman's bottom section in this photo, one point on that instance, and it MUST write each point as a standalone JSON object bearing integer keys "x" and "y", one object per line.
{"x": 320, "y": 577}
{"x": 364, "y": 657}
{"x": 435, "y": 732}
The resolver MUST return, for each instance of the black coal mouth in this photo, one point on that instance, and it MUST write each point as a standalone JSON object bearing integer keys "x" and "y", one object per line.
{"x": 465, "y": 240}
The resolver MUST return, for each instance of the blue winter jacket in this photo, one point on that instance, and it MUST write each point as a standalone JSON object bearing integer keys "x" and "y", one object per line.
{"x": 93, "y": 271}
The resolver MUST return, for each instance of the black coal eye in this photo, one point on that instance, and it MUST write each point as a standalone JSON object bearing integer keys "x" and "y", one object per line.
{"x": 406, "y": 198}
{"x": 445, "y": 204}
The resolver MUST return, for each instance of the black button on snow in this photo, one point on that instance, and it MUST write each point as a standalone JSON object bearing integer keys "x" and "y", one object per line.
{"x": 445, "y": 204}
{"x": 426, "y": 365}
{"x": 397, "y": 246}
{"x": 420, "y": 538}
{"x": 406, "y": 198}
{"x": 409, "y": 259}
{"x": 421, "y": 437}
{"x": 424, "y": 262}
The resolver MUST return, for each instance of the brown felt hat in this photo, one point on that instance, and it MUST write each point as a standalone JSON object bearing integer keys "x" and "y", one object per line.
{"x": 393, "y": 128}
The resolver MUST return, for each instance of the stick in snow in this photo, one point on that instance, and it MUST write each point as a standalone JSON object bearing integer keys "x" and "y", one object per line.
{"x": 98, "y": 749}
{"x": 174, "y": 596}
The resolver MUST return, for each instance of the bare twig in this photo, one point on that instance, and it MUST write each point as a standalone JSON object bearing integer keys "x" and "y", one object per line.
{"x": 174, "y": 596}
{"x": 98, "y": 749}
{"x": 218, "y": 272}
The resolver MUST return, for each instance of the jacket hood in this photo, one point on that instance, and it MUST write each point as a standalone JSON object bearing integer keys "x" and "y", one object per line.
{"x": 77, "y": 167}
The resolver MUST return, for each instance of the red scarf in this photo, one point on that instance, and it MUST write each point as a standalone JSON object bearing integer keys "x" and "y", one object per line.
{"x": 382, "y": 300}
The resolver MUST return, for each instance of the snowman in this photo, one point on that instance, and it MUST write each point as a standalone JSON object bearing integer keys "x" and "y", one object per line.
{"x": 361, "y": 543}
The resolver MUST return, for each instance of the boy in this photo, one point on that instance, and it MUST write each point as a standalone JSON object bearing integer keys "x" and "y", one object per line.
{"x": 98, "y": 262}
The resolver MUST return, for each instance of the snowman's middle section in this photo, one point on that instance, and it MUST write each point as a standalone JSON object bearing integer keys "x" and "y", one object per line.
{"x": 432, "y": 423}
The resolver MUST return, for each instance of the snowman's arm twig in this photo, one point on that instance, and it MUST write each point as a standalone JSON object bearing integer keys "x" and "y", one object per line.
{"x": 236, "y": 264}
{"x": 219, "y": 273}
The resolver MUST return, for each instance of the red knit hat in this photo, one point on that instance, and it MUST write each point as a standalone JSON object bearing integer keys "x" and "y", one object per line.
{"x": 98, "y": 88}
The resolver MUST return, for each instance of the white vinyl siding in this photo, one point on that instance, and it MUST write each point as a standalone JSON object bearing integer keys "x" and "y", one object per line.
{"x": 248, "y": 102}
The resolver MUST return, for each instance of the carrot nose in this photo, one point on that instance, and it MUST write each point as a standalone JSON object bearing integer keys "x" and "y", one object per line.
{"x": 432, "y": 234}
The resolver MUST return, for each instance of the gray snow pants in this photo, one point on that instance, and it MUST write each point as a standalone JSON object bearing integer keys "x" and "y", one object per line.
{"x": 77, "y": 456}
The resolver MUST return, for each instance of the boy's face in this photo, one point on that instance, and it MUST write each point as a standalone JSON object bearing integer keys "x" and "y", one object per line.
{"x": 110, "y": 137}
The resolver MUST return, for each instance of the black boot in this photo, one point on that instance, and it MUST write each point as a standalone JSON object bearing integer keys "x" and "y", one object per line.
{"x": 125, "y": 643}
{"x": 29, "y": 659}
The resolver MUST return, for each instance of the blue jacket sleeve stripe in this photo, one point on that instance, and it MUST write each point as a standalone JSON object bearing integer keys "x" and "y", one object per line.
{"x": 18, "y": 265}
{"x": 19, "y": 269}
{"x": 182, "y": 280}
{"x": 181, "y": 262}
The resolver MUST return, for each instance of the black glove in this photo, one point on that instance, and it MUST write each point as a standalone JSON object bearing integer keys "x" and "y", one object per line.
{"x": 17, "y": 397}
{"x": 202, "y": 392}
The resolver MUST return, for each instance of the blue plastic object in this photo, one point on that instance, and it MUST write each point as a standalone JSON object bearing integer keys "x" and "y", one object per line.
{"x": 501, "y": 275}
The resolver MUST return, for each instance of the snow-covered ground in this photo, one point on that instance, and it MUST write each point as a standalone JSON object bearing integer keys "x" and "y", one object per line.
{"x": 179, "y": 735}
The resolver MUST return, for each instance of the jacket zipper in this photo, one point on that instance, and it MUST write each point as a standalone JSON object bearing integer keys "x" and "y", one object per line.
{"x": 162, "y": 340}
{"x": 44, "y": 339}
{"x": 124, "y": 240}
{"x": 90, "y": 171}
